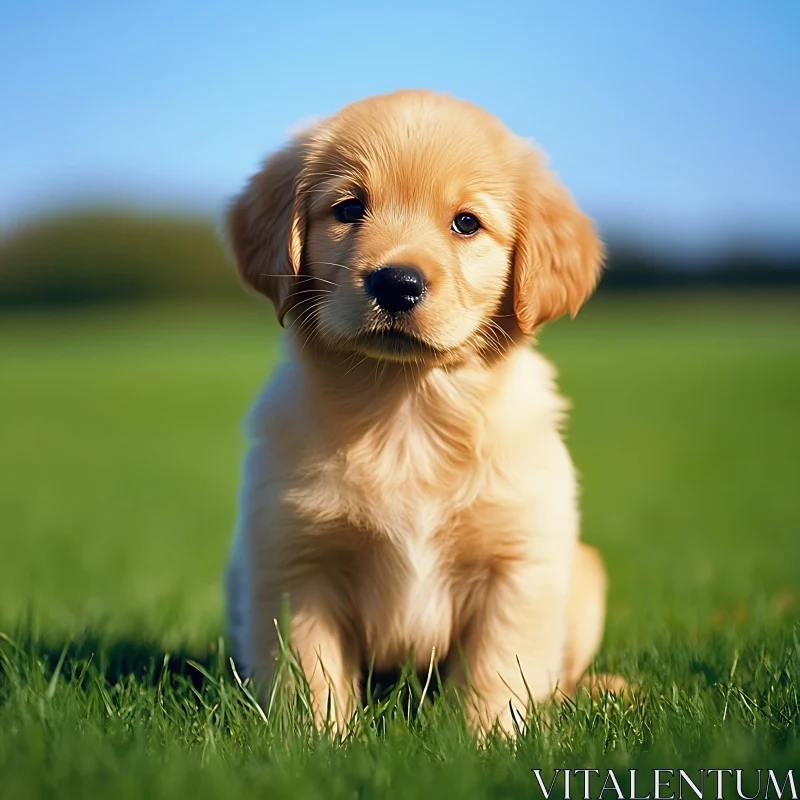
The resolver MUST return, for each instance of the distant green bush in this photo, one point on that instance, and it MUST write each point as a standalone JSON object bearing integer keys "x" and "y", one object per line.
{"x": 91, "y": 256}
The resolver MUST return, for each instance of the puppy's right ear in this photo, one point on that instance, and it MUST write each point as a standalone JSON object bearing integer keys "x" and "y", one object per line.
{"x": 266, "y": 227}
{"x": 559, "y": 256}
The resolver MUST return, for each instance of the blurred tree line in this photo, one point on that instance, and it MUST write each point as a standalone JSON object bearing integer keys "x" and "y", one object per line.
{"x": 92, "y": 257}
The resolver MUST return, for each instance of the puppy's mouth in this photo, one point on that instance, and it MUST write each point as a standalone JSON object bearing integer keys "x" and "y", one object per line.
{"x": 395, "y": 345}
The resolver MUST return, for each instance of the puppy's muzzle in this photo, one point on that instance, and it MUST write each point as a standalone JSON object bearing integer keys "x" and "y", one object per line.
{"x": 396, "y": 289}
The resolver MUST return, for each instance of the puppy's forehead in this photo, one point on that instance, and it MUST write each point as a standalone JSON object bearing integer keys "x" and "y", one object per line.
{"x": 419, "y": 139}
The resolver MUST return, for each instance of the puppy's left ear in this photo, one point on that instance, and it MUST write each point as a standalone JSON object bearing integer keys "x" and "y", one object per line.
{"x": 266, "y": 227}
{"x": 558, "y": 256}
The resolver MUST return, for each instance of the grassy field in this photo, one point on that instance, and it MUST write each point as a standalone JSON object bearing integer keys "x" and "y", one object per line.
{"x": 119, "y": 463}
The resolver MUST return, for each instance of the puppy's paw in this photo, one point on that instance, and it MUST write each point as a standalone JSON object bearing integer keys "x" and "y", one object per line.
{"x": 602, "y": 684}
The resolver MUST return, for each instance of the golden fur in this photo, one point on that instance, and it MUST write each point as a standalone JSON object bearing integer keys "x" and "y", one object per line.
{"x": 406, "y": 483}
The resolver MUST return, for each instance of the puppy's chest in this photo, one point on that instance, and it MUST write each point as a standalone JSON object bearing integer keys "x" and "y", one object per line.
{"x": 403, "y": 483}
{"x": 405, "y": 605}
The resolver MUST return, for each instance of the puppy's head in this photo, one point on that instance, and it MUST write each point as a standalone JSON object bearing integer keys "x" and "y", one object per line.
{"x": 403, "y": 226}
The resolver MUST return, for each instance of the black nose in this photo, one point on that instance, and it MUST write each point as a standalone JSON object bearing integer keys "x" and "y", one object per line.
{"x": 396, "y": 288}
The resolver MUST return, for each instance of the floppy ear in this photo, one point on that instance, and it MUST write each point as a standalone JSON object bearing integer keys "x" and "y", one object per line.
{"x": 266, "y": 228}
{"x": 558, "y": 256}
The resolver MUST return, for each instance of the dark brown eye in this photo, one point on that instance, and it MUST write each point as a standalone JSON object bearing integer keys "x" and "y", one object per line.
{"x": 348, "y": 211}
{"x": 465, "y": 224}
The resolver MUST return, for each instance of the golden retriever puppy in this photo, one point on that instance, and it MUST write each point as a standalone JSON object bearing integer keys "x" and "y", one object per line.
{"x": 406, "y": 484}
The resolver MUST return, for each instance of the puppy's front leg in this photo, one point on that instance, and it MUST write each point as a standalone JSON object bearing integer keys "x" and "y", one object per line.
{"x": 513, "y": 647}
{"x": 316, "y": 636}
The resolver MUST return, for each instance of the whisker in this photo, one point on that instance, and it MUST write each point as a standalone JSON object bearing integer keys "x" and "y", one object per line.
{"x": 328, "y": 340}
{"x": 375, "y": 372}
{"x": 300, "y": 278}
{"x": 330, "y": 264}
{"x": 314, "y": 291}
{"x": 498, "y": 328}
{"x": 306, "y": 311}
{"x": 304, "y": 329}
{"x": 354, "y": 366}
{"x": 314, "y": 296}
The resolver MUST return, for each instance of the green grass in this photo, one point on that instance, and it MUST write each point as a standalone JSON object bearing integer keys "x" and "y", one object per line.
{"x": 119, "y": 457}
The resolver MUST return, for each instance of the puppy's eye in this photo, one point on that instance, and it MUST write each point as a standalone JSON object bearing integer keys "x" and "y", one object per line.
{"x": 351, "y": 210}
{"x": 465, "y": 224}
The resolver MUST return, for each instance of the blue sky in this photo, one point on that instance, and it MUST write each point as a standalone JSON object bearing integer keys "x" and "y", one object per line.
{"x": 674, "y": 121}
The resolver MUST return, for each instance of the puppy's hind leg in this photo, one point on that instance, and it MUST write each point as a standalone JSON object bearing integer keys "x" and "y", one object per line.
{"x": 586, "y": 614}
{"x": 236, "y": 611}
